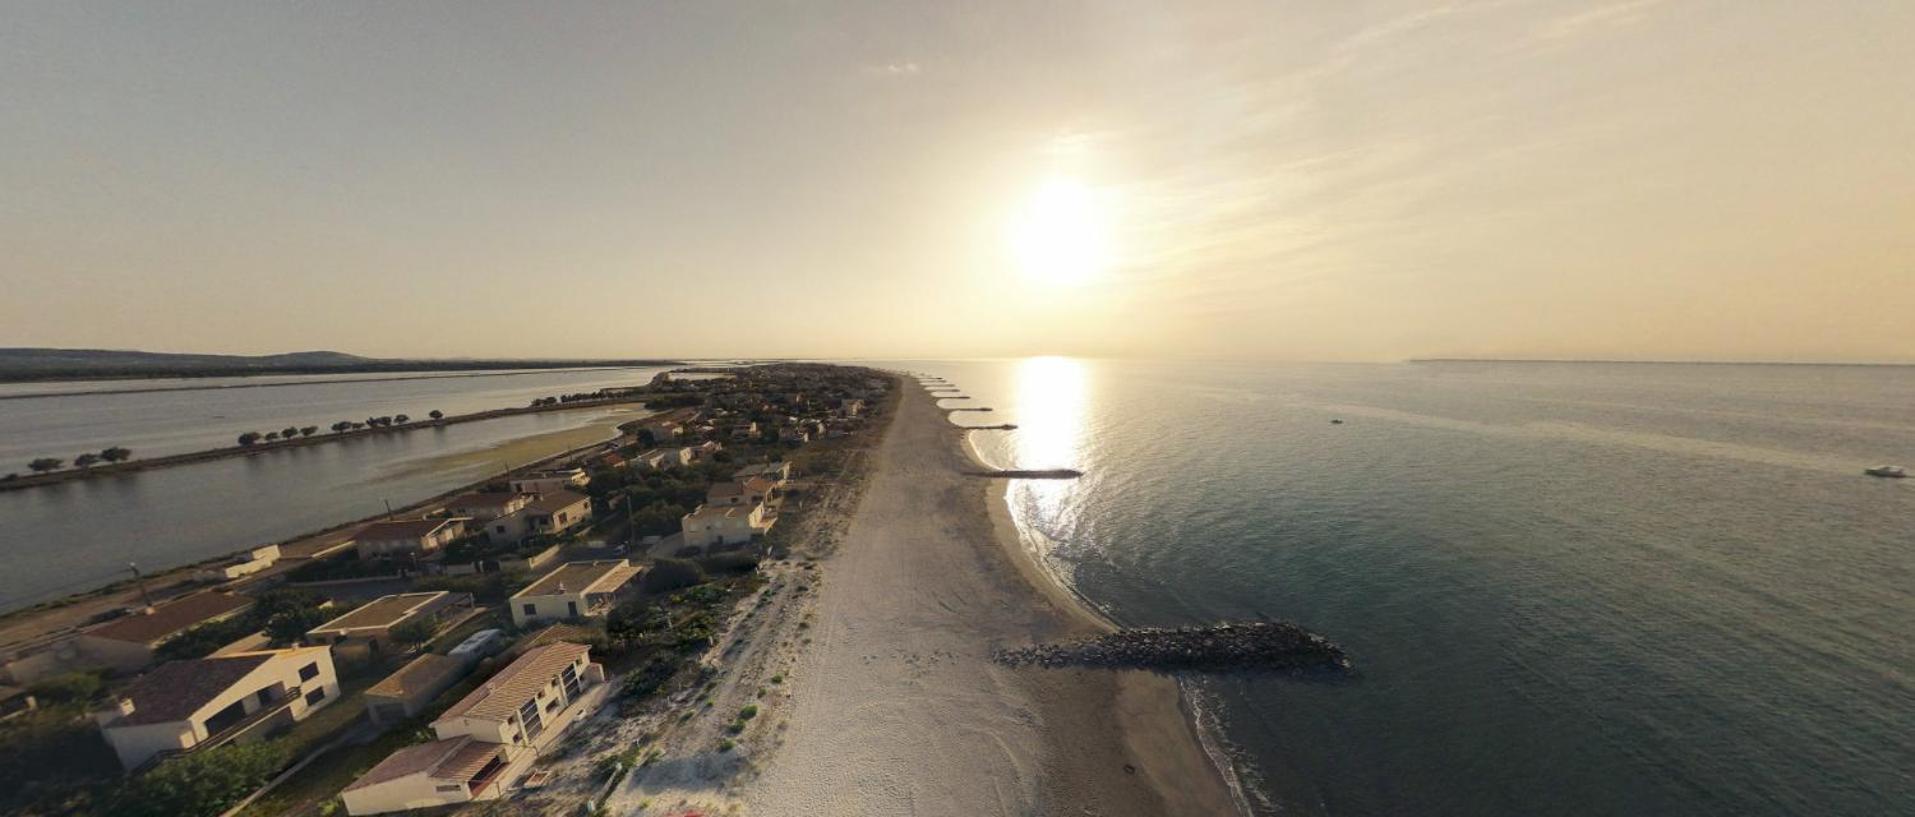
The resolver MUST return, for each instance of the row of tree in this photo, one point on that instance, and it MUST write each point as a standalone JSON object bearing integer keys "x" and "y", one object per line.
{"x": 87, "y": 460}
{"x": 252, "y": 438}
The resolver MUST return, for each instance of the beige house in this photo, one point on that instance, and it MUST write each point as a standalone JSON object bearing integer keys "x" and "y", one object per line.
{"x": 726, "y": 524}
{"x": 488, "y": 739}
{"x": 184, "y": 706}
{"x": 407, "y": 536}
{"x": 747, "y": 491}
{"x": 574, "y": 590}
{"x": 409, "y": 691}
{"x": 673, "y": 457}
{"x": 777, "y": 472}
{"x": 371, "y": 625}
{"x": 558, "y": 511}
{"x": 485, "y": 506}
{"x": 545, "y": 482}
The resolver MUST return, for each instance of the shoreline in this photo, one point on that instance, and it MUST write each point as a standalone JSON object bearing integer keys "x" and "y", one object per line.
{"x": 898, "y": 706}
{"x": 1149, "y": 689}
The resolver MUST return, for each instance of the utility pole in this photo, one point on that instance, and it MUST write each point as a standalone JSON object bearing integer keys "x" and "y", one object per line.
{"x": 388, "y": 508}
{"x": 141, "y": 581}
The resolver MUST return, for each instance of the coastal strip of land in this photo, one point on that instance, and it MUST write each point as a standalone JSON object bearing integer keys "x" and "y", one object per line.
{"x": 23, "y": 481}
{"x": 898, "y": 707}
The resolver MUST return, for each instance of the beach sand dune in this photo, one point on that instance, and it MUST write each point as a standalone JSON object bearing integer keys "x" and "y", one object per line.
{"x": 897, "y": 707}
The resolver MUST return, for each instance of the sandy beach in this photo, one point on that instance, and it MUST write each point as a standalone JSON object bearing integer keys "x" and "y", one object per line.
{"x": 896, "y": 705}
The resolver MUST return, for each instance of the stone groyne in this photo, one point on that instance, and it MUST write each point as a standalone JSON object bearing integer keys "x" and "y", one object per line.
{"x": 1263, "y": 645}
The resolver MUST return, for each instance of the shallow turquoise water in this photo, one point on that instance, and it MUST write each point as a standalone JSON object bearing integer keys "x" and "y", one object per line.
{"x": 1571, "y": 589}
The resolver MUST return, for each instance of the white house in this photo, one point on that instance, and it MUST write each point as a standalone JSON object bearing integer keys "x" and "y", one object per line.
{"x": 251, "y": 562}
{"x": 183, "y": 706}
{"x": 488, "y": 739}
{"x": 725, "y": 524}
{"x": 558, "y": 511}
{"x": 574, "y": 590}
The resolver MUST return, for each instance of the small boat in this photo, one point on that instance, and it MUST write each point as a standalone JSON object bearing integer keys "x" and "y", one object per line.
{"x": 1888, "y": 471}
{"x": 1336, "y": 422}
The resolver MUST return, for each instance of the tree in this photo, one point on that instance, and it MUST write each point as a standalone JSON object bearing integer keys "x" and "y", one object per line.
{"x": 413, "y": 632}
{"x": 272, "y": 436}
{"x": 436, "y": 414}
{"x": 342, "y": 426}
{"x": 288, "y": 432}
{"x": 85, "y": 460}
{"x": 72, "y": 687}
{"x": 288, "y": 626}
{"x": 667, "y": 575}
{"x": 308, "y": 431}
{"x": 45, "y": 464}
{"x": 401, "y": 419}
{"x": 206, "y": 782}
{"x": 116, "y": 454}
{"x": 249, "y": 438}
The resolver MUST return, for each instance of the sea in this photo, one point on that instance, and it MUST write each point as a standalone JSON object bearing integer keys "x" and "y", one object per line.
{"x": 1568, "y": 588}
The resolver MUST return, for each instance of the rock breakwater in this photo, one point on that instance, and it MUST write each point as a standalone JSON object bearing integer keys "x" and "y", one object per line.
{"x": 1263, "y": 645}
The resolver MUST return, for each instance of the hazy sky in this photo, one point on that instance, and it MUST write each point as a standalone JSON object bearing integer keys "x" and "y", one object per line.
{"x": 1308, "y": 180}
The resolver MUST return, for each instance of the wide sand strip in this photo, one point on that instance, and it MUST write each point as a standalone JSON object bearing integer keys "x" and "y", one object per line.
{"x": 897, "y": 707}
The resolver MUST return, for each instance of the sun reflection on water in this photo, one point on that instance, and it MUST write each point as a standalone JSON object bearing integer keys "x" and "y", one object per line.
{"x": 1051, "y": 397}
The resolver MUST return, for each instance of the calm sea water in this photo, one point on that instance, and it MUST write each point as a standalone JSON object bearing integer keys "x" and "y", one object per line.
{"x": 1571, "y": 589}
{"x": 74, "y": 536}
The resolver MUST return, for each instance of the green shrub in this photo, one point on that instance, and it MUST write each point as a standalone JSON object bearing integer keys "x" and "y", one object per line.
{"x": 206, "y": 782}
{"x": 72, "y": 687}
{"x": 667, "y": 575}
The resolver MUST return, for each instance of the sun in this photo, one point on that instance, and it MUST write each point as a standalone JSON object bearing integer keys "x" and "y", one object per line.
{"x": 1061, "y": 233}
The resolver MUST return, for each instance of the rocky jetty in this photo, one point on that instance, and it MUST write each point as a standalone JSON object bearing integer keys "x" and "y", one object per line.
{"x": 1051, "y": 473}
{"x": 1262, "y": 645}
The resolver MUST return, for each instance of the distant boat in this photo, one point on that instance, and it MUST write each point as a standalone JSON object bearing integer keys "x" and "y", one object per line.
{"x": 1336, "y": 422}
{"x": 1889, "y": 471}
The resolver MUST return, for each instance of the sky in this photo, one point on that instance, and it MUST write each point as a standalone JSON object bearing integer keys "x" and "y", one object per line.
{"x": 1614, "y": 179}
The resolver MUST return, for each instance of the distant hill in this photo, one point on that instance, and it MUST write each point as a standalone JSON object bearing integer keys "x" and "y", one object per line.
{"x": 21, "y": 364}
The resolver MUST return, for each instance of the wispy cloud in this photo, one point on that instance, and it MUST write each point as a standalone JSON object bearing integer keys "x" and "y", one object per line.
{"x": 1598, "y": 19}
{"x": 905, "y": 68}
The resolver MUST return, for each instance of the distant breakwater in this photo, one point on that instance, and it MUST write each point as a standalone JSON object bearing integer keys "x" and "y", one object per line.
{"x": 1048, "y": 473}
{"x": 1262, "y": 645}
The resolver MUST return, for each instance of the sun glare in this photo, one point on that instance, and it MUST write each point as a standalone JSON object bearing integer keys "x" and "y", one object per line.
{"x": 1061, "y": 234}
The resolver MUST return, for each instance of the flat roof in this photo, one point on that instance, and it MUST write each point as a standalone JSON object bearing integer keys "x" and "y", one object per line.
{"x": 485, "y": 499}
{"x": 425, "y": 672}
{"x": 556, "y": 501}
{"x": 580, "y": 577}
{"x": 170, "y": 617}
{"x": 402, "y": 529}
{"x": 381, "y": 612}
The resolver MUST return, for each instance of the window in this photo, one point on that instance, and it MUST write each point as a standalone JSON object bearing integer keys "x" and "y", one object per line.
{"x": 531, "y": 609}
{"x": 570, "y": 677}
{"x": 458, "y": 787}
{"x": 529, "y": 714}
{"x": 309, "y": 672}
{"x": 318, "y": 694}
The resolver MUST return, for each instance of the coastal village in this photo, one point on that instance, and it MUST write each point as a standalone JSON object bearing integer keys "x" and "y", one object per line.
{"x": 520, "y": 646}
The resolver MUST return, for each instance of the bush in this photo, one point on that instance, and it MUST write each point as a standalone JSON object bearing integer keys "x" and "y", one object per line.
{"x": 73, "y": 687}
{"x": 201, "y": 783}
{"x": 734, "y": 563}
{"x": 667, "y": 575}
